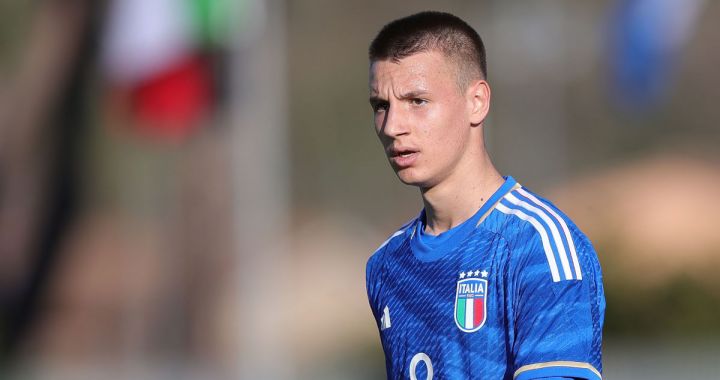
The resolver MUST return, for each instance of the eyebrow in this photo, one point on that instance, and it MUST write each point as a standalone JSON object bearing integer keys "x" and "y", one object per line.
{"x": 376, "y": 99}
{"x": 412, "y": 94}
{"x": 408, "y": 95}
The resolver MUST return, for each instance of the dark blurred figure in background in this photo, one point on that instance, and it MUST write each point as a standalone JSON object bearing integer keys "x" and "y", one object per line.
{"x": 43, "y": 119}
{"x": 114, "y": 225}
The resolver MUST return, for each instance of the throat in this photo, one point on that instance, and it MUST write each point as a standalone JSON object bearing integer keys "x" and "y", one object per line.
{"x": 445, "y": 209}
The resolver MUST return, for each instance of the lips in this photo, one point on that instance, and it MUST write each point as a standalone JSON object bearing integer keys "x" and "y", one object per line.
{"x": 402, "y": 157}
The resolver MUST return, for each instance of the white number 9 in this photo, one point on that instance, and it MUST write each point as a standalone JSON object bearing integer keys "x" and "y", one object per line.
{"x": 421, "y": 357}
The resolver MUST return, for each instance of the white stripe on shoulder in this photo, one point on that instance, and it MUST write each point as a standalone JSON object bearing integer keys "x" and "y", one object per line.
{"x": 566, "y": 230}
{"x": 557, "y": 240}
{"x": 397, "y": 233}
{"x": 543, "y": 236}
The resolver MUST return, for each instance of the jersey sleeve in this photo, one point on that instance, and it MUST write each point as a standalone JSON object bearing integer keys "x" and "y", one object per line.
{"x": 557, "y": 322}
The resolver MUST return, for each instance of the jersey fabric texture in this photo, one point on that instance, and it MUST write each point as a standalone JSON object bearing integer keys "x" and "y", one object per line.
{"x": 514, "y": 292}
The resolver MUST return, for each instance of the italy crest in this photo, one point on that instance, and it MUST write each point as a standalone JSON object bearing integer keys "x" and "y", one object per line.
{"x": 470, "y": 298}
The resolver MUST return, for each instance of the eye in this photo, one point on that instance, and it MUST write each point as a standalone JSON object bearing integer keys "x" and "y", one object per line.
{"x": 380, "y": 106}
{"x": 418, "y": 101}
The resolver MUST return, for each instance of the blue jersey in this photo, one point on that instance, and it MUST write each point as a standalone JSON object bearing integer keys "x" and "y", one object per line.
{"x": 515, "y": 292}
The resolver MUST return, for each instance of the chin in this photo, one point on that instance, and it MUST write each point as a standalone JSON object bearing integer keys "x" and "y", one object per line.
{"x": 411, "y": 178}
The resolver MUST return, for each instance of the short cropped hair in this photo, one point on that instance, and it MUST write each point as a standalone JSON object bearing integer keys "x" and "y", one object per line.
{"x": 433, "y": 31}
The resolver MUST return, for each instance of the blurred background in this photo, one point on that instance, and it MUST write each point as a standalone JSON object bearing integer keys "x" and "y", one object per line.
{"x": 191, "y": 188}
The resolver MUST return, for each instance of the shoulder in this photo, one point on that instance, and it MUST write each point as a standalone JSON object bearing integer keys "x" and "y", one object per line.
{"x": 390, "y": 244}
{"x": 538, "y": 233}
{"x": 376, "y": 264}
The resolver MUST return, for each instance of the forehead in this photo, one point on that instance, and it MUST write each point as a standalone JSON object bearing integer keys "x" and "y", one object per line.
{"x": 418, "y": 71}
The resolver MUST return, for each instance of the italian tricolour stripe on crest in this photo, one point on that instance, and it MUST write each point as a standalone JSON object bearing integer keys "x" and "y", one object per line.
{"x": 470, "y": 304}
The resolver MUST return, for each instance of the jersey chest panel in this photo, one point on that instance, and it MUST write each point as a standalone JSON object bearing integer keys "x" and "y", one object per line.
{"x": 453, "y": 310}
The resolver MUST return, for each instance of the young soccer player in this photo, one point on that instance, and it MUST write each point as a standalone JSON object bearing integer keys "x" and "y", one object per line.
{"x": 489, "y": 281}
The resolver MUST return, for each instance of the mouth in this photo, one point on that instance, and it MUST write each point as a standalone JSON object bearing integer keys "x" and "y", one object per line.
{"x": 402, "y": 157}
{"x": 400, "y": 152}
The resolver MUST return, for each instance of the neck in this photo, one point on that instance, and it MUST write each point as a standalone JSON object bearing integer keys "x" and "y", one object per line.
{"x": 460, "y": 195}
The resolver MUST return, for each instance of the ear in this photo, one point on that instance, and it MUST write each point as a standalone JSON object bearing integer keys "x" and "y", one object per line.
{"x": 478, "y": 96}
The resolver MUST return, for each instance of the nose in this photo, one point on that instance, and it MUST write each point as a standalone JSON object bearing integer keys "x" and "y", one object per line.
{"x": 394, "y": 123}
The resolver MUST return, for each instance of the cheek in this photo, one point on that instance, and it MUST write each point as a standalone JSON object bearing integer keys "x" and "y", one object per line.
{"x": 444, "y": 128}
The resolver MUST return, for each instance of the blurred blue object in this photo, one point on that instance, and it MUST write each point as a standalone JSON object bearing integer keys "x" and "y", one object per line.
{"x": 647, "y": 37}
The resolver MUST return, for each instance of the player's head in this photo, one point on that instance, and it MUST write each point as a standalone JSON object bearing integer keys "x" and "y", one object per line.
{"x": 433, "y": 31}
{"x": 429, "y": 97}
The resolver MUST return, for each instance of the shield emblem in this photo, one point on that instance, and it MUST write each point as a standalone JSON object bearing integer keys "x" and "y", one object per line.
{"x": 470, "y": 298}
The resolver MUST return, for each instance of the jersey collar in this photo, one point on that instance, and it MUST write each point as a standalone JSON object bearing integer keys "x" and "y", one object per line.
{"x": 431, "y": 248}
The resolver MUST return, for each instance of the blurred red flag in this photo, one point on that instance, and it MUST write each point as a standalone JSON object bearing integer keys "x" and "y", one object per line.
{"x": 151, "y": 49}
{"x": 173, "y": 102}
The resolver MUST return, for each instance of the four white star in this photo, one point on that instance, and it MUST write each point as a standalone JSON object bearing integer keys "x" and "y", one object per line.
{"x": 476, "y": 273}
